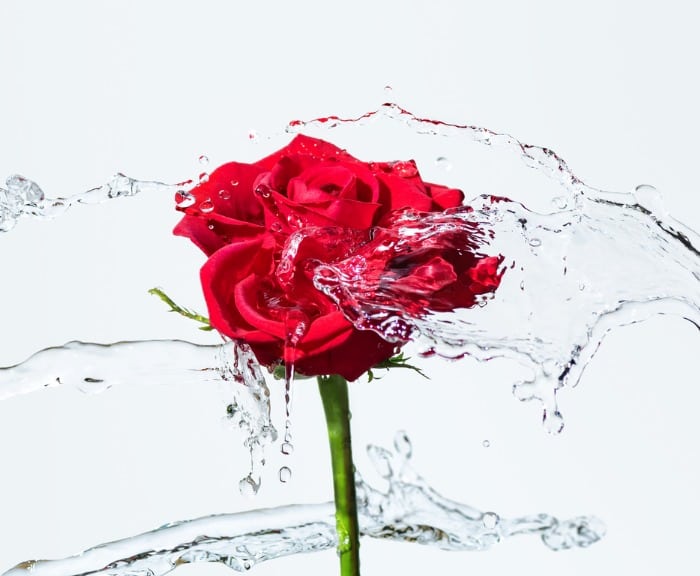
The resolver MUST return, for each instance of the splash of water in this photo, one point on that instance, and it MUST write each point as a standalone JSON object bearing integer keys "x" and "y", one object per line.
{"x": 93, "y": 368}
{"x": 584, "y": 263}
{"x": 24, "y": 198}
{"x": 406, "y": 510}
{"x": 577, "y": 261}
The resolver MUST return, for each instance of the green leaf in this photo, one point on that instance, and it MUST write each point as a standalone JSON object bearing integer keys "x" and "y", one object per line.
{"x": 191, "y": 314}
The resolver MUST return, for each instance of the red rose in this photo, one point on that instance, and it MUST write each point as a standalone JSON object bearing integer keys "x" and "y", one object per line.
{"x": 266, "y": 226}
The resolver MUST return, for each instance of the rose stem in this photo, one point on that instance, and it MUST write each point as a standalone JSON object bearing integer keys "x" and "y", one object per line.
{"x": 334, "y": 394}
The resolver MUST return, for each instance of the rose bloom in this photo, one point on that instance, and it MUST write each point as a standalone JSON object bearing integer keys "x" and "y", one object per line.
{"x": 266, "y": 226}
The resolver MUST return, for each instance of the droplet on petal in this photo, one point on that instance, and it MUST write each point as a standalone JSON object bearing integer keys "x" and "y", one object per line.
{"x": 184, "y": 199}
{"x": 206, "y": 206}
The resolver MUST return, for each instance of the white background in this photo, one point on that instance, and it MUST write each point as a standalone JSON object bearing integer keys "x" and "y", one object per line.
{"x": 95, "y": 87}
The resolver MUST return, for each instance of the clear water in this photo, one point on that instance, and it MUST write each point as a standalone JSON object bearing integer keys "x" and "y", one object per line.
{"x": 577, "y": 262}
{"x": 94, "y": 368}
{"x": 405, "y": 509}
{"x": 23, "y": 198}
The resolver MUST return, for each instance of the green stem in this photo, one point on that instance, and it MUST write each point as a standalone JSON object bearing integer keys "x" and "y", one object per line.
{"x": 334, "y": 393}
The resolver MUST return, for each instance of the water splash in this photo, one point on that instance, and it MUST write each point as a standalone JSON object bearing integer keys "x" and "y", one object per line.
{"x": 94, "y": 368}
{"x": 577, "y": 262}
{"x": 406, "y": 510}
{"x": 23, "y": 198}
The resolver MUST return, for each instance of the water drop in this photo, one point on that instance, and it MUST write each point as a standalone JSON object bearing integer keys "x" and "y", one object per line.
{"x": 263, "y": 191}
{"x": 560, "y": 202}
{"x": 486, "y": 443}
{"x": 224, "y": 194}
{"x": 388, "y": 89}
{"x": 204, "y": 178}
{"x": 407, "y": 169}
{"x": 252, "y": 135}
{"x": 650, "y": 198}
{"x": 203, "y": 160}
{"x": 234, "y": 183}
{"x": 206, "y": 206}
{"x": 553, "y": 421}
{"x": 402, "y": 444}
{"x": 535, "y": 242}
{"x": 248, "y": 486}
{"x": 443, "y": 163}
{"x": 184, "y": 199}
{"x": 490, "y": 520}
{"x": 285, "y": 474}
{"x": 287, "y": 448}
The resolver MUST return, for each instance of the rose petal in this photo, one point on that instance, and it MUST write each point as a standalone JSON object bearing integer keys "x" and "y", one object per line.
{"x": 445, "y": 197}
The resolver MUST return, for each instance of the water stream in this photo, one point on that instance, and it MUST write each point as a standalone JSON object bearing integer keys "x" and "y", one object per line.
{"x": 406, "y": 510}
{"x": 575, "y": 261}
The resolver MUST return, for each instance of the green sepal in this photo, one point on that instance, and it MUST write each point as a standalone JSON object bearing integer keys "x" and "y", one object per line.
{"x": 398, "y": 361}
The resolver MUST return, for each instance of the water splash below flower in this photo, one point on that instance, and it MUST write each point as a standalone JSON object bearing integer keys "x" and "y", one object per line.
{"x": 407, "y": 510}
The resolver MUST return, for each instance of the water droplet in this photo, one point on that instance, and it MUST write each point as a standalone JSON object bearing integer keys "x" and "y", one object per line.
{"x": 276, "y": 227}
{"x": 490, "y": 520}
{"x": 402, "y": 444}
{"x": 206, "y": 206}
{"x": 443, "y": 163}
{"x": 248, "y": 486}
{"x": 203, "y": 160}
{"x": 486, "y": 443}
{"x": 553, "y": 421}
{"x": 287, "y": 448}
{"x": 535, "y": 242}
{"x": 204, "y": 178}
{"x": 295, "y": 221}
{"x": 263, "y": 191}
{"x": 234, "y": 183}
{"x": 650, "y": 198}
{"x": 560, "y": 202}
{"x": 224, "y": 194}
{"x": 388, "y": 89}
{"x": 252, "y": 135}
{"x": 407, "y": 169}
{"x": 285, "y": 474}
{"x": 184, "y": 199}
